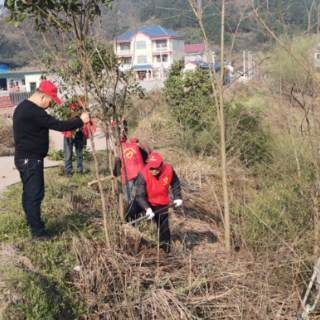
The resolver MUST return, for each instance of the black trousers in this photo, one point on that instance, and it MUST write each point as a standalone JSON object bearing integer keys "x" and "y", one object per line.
{"x": 161, "y": 218}
{"x": 31, "y": 174}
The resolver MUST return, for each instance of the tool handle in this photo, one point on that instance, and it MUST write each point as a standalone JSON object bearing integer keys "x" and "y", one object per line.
{"x": 157, "y": 211}
{"x": 137, "y": 220}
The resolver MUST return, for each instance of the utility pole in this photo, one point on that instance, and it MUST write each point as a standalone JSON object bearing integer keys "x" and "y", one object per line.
{"x": 244, "y": 62}
{"x": 249, "y": 65}
{"x": 161, "y": 68}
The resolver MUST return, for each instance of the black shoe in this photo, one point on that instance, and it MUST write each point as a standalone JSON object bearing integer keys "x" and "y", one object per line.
{"x": 44, "y": 237}
{"x": 69, "y": 175}
{"x": 81, "y": 173}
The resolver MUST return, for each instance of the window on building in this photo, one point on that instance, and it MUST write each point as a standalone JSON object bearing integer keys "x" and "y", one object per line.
{"x": 33, "y": 86}
{"x": 161, "y": 43}
{"x": 142, "y": 59}
{"x": 124, "y": 46}
{"x": 141, "y": 45}
{"x": 157, "y": 58}
{"x": 23, "y": 82}
{"x": 318, "y": 56}
{"x": 127, "y": 60}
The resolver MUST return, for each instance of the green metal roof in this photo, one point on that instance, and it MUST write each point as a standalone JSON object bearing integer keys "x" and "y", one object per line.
{"x": 15, "y": 75}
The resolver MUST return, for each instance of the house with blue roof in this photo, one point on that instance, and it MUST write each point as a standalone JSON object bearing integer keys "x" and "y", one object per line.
{"x": 149, "y": 51}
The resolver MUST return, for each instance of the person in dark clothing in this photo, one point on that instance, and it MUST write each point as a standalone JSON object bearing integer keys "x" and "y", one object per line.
{"x": 145, "y": 150}
{"x": 77, "y": 138}
{"x": 152, "y": 194}
{"x": 31, "y": 125}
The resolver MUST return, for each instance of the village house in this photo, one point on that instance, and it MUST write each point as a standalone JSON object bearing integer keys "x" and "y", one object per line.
{"x": 149, "y": 51}
{"x": 197, "y": 52}
{"x": 20, "y": 81}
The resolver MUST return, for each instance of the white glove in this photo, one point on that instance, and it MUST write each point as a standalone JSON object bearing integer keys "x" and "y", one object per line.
{"x": 178, "y": 202}
{"x": 149, "y": 213}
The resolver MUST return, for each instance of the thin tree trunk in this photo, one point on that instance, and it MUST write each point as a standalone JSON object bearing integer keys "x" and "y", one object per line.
{"x": 220, "y": 110}
{"x": 223, "y": 139}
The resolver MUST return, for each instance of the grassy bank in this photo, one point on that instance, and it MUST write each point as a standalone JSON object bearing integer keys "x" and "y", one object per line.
{"x": 263, "y": 277}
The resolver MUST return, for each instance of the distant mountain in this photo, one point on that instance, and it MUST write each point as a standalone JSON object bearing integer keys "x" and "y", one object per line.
{"x": 178, "y": 16}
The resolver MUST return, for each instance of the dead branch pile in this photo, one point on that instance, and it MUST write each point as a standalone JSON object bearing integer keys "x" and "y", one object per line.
{"x": 116, "y": 285}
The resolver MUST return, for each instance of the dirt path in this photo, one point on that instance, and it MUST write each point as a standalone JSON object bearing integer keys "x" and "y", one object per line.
{"x": 9, "y": 174}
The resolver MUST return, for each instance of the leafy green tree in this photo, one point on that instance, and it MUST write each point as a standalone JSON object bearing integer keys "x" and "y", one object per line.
{"x": 287, "y": 72}
{"x": 70, "y": 30}
{"x": 189, "y": 96}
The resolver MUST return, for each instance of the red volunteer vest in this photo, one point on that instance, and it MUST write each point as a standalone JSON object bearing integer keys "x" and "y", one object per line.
{"x": 158, "y": 189}
{"x": 132, "y": 159}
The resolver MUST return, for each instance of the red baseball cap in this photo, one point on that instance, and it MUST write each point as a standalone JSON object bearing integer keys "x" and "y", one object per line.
{"x": 134, "y": 140}
{"x": 50, "y": 89}
{"x": 154, "y": 160}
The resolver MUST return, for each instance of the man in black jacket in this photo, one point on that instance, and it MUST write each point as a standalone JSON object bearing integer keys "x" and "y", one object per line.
{"x": 31, "y": 125}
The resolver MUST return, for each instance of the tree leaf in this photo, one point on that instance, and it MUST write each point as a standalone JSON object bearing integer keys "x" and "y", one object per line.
{"x": 22, "y": 16}
{"x": 9, "y": 19}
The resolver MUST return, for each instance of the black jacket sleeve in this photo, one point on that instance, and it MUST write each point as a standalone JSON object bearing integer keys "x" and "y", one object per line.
{"x": 175, "y": 186}
{"x": 141, "y": 192}
{"x": 144, "y": 155}
{"x": 44, "y": 120}
{"x": 117, "y": 167}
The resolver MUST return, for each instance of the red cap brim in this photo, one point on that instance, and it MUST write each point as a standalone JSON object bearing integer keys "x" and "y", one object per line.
{"x": 57, "y": 100}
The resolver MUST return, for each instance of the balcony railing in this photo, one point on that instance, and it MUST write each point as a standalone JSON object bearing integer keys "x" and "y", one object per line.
{"x": 122, "y": 52}
{"x": 164, "y": 65}
{"x": 161, "y": 49}
{"x": 127, "y": 66}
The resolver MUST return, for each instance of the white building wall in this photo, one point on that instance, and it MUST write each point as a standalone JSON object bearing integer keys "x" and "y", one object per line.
{"x": 177, "y": 49}
{"x": 198, "y": 57}
{"x": 193, "y": 57}
{"x": 141, "y": 52}
{"x": 35, "y": 78}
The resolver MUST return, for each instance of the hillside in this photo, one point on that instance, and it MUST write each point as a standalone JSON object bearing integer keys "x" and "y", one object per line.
{"x": 178, "y": 16}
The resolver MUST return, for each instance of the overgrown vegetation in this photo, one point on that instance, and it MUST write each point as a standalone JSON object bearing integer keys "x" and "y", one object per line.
{"x": 132, "y": 280}
{"x": 271, "y": 128}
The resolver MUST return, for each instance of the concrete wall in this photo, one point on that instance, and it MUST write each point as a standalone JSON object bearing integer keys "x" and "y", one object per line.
{"x": 32, "y": 78}
{"x": 177, "y": 49}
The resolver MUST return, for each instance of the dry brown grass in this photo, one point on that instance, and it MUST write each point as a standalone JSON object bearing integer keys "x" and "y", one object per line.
{"x": 209, "y": 284}
{"x": 199, "y": 280}
{"x": 6, "y": 141}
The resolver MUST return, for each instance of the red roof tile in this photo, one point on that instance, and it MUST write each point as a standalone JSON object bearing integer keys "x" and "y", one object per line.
{"x": 194, "y": 48}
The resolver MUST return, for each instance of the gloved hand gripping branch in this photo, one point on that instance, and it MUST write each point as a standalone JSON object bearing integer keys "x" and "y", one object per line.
{"x": 178, "y": 202}
{"x": 149, "y": 213}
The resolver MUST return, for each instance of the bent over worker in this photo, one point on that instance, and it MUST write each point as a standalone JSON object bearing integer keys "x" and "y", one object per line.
{"x": 152, "y": 194}
{"x": 133, "y": 163}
